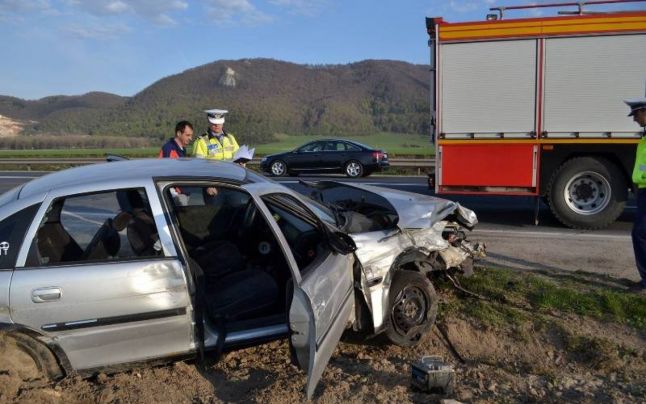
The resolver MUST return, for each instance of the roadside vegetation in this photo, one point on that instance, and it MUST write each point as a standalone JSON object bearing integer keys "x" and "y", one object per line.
{"x": 513, "y": 297}
{"x": 396, "y": 144}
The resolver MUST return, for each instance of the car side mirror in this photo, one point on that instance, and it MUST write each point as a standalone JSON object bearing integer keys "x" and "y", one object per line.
{"x": 342, "y": 243}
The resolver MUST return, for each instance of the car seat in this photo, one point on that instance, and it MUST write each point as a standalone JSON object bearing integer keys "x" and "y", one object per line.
{"x": 105, "y": 243}
{"x": 141, "y": 231}
{"x": 243, "y": 295}
{"x": 218, "y": 258}
{"x": 142, "y": 234}
{"x": 54, "y": 243}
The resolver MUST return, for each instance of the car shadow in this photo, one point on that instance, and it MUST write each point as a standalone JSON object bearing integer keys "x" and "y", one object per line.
{"x": 227, "y": 388}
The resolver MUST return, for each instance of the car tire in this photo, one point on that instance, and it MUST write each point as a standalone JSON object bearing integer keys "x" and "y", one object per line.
{"x": 28, "y": 359}
{"x": 353, "y": 169}
{"x": 412, "y": 308}
{"x": 587, "y": 193}
{"x": 278, "y": 168}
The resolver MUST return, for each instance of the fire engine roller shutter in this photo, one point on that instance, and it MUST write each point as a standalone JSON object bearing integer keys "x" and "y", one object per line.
{"x": 487, "y": 87}
{"x": 487, "y": 90}
{"x": 586, "y": 81}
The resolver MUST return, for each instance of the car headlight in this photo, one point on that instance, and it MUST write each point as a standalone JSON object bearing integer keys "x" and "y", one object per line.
{"x": 262, "y": 160}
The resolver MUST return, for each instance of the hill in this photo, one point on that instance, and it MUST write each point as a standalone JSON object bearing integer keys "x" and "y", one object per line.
{"x": 264, "y": 97}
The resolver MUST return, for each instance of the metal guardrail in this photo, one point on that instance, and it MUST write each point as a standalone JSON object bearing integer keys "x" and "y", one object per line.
{"x": 403, "y": 162}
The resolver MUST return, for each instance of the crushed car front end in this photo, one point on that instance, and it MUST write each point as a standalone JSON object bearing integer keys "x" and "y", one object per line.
{"x": 396, "y": 232}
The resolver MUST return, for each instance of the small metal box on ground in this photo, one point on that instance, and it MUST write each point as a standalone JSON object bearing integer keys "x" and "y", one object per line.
{"x": 432, "y": 375}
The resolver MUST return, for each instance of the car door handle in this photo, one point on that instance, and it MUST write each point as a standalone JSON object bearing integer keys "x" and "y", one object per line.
{"x": 44, "y": 295}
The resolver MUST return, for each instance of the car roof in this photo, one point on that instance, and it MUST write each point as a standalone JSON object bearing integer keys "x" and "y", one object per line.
{"x": 363, "y": 146}
{"x": 142, "y": 169}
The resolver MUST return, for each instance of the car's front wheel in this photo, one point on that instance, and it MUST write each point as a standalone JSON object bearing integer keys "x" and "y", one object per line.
{"x": 278, "y": 168}
{"x": 353, "y": 169}
{"x": 412, "y": 309}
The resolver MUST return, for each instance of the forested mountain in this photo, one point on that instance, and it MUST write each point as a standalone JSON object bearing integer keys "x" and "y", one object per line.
{"x": 263, "y": 96}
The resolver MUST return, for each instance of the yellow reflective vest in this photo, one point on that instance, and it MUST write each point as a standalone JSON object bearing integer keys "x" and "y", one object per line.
{"x": 639, "y": 172}
{"x": 209, "y": 147}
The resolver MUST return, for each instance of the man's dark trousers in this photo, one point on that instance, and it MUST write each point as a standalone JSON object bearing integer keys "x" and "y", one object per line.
{"x": 639, "y": 234}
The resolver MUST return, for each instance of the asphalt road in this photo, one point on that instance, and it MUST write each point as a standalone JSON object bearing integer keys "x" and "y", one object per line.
{"x": 507, "y": 228}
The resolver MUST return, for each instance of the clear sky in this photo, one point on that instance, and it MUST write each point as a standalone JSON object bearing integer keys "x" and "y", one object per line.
{"x": 121, "y": 46}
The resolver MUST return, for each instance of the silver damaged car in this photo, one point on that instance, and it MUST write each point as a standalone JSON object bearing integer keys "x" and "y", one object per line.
{"x": 110, "y": 265}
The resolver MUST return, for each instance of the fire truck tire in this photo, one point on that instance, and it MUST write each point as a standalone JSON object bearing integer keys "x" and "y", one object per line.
{"x": 587, "y": 193}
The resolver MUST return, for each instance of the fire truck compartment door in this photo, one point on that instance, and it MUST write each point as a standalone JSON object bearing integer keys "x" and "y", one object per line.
{"x": 488, "y": 165}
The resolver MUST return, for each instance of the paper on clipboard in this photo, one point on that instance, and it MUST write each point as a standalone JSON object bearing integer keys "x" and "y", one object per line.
{"x": 244, "y": 154}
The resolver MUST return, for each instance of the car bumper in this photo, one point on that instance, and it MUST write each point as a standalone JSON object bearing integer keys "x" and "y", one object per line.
{"x": 381, "y": 166}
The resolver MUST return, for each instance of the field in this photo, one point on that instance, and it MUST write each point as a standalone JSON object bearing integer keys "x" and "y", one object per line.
{"x": 396, "y": 144}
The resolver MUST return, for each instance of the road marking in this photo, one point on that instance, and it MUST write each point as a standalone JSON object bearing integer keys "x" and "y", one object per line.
{"x": 12, "y": 177}
{"x": 545, "y": 234}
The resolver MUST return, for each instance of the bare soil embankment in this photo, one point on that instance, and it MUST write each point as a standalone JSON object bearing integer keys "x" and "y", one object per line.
{"x": 534, "y": 337}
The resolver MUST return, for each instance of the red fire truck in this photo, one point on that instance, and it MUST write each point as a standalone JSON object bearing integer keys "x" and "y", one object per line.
{"x": 534, "y": 107}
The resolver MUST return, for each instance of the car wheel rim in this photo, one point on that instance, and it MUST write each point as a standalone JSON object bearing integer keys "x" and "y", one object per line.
{"x": 277, "y": 168}
{"x": 587, "y": 193}
{"x": 409, "y": 312}
{"x": 353, "y": 169}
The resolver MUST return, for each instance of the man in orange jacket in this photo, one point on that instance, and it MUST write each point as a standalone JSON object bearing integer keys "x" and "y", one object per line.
{"x": 176, "y": 147}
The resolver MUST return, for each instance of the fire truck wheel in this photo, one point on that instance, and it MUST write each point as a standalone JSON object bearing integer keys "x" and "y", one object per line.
{"x": 412, "y": 309}
{"x": 587, "y": 193}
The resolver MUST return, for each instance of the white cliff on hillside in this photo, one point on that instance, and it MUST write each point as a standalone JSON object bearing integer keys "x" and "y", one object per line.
{"x": 10, "y": 127}
{"x": 228, "y": 79}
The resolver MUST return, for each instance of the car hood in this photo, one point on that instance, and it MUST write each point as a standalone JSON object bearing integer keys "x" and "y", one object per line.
{"x": 376, "y": 208}
{"x": 271, "y": 156}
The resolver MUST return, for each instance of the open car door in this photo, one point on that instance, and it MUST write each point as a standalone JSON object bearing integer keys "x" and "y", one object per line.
{"x": 315, "y": 331}
{"x": 323, "y": 299}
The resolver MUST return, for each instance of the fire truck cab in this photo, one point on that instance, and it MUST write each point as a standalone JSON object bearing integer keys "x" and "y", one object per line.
{"x": 534, "y": 107}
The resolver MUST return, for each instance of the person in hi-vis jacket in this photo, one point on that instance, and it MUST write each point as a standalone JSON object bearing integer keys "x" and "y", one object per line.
{"x": 638, "y": 112}
{"x": 215, "y": 143}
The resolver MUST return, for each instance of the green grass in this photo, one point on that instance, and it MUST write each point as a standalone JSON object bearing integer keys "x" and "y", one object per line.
{"x": 395, "y": 144}
{"x": 514, "y": 294}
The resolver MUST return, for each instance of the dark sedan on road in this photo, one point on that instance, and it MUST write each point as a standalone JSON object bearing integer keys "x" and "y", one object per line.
{"x": 327, "y": 156}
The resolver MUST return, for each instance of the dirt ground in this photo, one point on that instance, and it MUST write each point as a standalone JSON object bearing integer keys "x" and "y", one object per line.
{"x": 567, "y": 358}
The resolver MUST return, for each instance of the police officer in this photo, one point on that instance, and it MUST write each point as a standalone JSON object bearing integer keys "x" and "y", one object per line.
{"x": 638, "y": 112}
{"x": 215, "y": 143}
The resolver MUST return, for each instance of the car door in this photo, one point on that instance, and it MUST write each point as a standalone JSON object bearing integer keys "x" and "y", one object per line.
{"x": 334, "y": 155}
{"x": 307, "y": 158}
{"x": 323, "y": 298}
{"x": 99, "y": 277}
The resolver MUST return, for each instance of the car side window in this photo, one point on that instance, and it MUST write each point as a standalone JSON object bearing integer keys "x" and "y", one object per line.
{"x": 334, "y": 146}
{"x": 12, "y": 234}
{"x": 299, "y": 227}
{"x": 352, "y": 147}
{"x": 102, "y": 226}
{"x": 312, "y": 147}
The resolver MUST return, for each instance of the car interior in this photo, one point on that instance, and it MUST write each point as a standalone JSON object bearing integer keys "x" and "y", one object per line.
{"x": 246, "y": 274}
{"x": 126, "y": 229}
